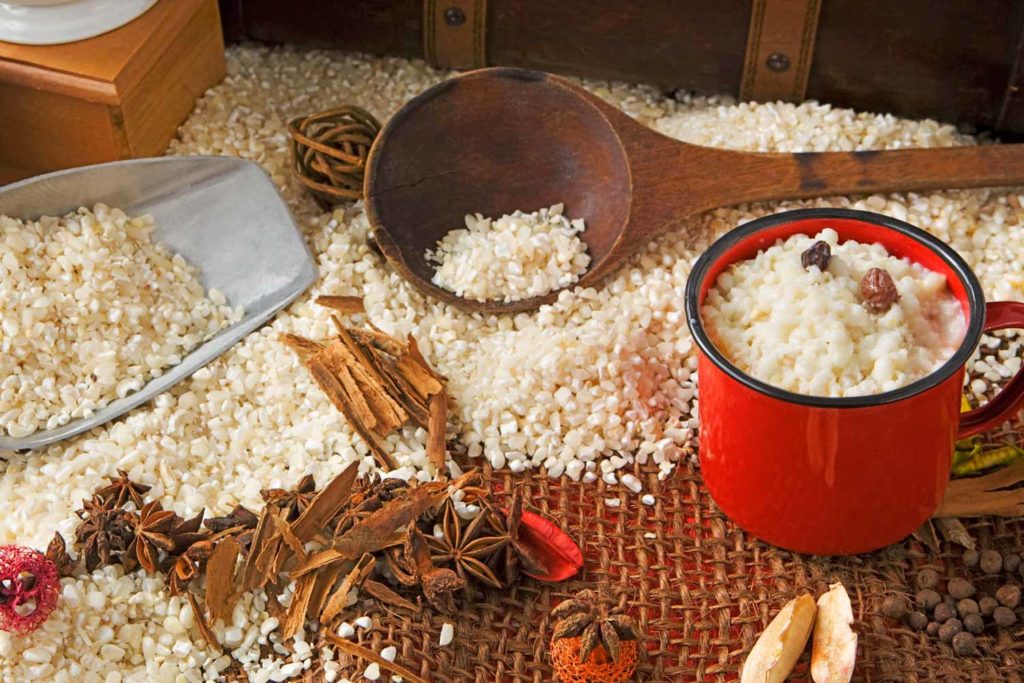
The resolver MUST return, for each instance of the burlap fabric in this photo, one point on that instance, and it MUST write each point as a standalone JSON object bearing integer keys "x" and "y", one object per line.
{"x": 701, "y": 589}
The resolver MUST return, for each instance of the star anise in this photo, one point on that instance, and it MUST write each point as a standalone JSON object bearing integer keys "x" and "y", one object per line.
{"x": 153, "y": 526}
{"x": 57, "y": 552}
{"x": 185, "y": 532}
{"x": 240, "y": 517}
{"x": 515, "y": 553}
{"x": 293, "y": 503}
{"x": 121, "y": 490}
{"x": 104, "y": 533}
{"x": 463, "y": 545}
{"x": 188, "y": 565}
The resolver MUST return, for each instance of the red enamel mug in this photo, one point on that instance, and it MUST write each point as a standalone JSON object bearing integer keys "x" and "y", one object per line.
{"x": 836, "y": 476}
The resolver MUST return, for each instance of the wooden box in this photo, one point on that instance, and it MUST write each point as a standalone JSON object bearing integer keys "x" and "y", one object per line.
{"x": 954, "y": 60}
{"x": 119, "y": 95}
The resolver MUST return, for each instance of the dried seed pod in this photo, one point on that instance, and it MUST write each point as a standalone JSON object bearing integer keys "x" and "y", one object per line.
{"x": 834, "y": 652}
{"x": 590, "y": 639}
{"x": 965, "y": 645}
{"x": 960, "y": 588}
{"x": 573, "y": 625}
{"x": 1008, "y": 596}
{"x": 610, "y": 639}
{"x": 878, "y": 293}
{"x": 775, "y": 653}
{"x": 991, "y": 562}
{"x": 818, "y": 254}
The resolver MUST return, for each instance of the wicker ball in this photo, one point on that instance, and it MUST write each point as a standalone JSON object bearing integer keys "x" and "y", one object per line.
{"x": 329, "y": 152}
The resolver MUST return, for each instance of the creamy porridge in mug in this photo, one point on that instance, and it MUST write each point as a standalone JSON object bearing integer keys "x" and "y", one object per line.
{"x": 812, "y": 316}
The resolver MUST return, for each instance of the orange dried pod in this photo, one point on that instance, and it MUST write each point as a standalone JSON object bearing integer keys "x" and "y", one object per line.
{"x": 591, "y": 644}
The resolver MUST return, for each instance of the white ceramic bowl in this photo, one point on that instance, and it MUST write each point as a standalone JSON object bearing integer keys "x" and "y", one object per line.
{"x": 49, "y": 22}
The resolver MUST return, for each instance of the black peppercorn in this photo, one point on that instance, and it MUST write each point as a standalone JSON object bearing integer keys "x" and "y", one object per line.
{"x": 950, "y": 629}
{"x": 960, "y": 588}
{"x": 1008, "y": 596}
{"x": 967, "y": 606}
{"x": 944, "y": 613}
{"x": 927, "y": 578}
{"x": 917, "y": 621}
{"x": 964, "y": 644}
{"x": 974, "y": 623}
{"x": 894, "y": 607}
{"x": 991, "y": 562}
{"x": 1004, "y": 617}
{"x": 927, "y": 599}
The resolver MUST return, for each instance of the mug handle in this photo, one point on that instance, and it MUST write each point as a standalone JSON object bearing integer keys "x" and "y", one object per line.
{"x": 999, "y": 315}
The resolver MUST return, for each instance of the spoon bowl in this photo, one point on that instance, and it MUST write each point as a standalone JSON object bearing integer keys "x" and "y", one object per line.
{"x": 497, "y": 140}
{"x": 518, "y": 147}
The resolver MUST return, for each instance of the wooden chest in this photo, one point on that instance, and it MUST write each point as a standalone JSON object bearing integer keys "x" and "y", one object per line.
{"x": 953, "y": 60}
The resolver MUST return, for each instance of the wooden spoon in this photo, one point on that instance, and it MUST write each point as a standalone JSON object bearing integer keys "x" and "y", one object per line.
{"x": 496, "y": 140}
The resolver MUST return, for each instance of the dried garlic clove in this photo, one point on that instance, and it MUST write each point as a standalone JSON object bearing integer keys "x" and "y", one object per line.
{"x": 834, "y": 651}
{"x": 775, "y": 653}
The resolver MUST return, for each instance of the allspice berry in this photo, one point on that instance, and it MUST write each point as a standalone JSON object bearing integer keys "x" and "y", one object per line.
{"x": 991, "y": 562}
{"x": 971, "y": 558}
{"x": 894, "y": 607}
{"x": 918, "y": 621}
{"x": 974, "y": 623}
{"x": 927, "y": 578}
{"x": 1011, "y": 562}
{"x": 927, "y": 599}
{"x": 967, "y": 606}
{"x": 950, "y": 629}
{"x": 960, "y": 588}
{"x": 933, "y": 628}
{"x": 988, "y": 605}
{"x": 1004, "y": 617}
{"x": 944, "y": 613}
{"x": 964, "y": 644}
{"x": 1008, "y": 596}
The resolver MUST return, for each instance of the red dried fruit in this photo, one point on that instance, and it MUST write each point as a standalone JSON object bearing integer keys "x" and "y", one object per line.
{"x": 878, "y": 291}
{"x": 28, "y": 588}
{"x": 818, "y": 254}
{"x": 550, "y": 546}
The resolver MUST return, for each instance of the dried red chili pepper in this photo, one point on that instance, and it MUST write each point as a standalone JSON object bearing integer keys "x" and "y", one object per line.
{"x": 551, "y": 546}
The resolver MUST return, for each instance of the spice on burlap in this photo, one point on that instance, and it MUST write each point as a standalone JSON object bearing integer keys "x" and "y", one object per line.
{"x": 592, "y": 644}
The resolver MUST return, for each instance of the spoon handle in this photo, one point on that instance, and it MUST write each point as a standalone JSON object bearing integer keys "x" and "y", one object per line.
{"x": 810, "y": 174}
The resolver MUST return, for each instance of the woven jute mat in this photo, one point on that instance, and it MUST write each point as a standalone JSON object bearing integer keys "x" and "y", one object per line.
{"x": 701, "y": 590}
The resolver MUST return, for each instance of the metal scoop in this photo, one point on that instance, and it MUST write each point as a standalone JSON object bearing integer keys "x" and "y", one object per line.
{"x": 222, "y": 215}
